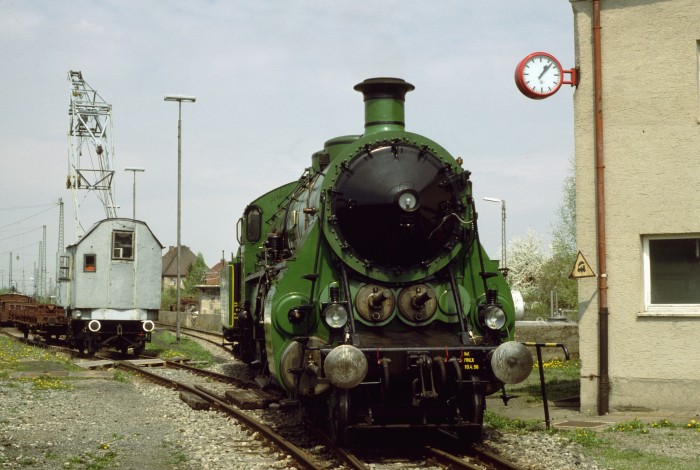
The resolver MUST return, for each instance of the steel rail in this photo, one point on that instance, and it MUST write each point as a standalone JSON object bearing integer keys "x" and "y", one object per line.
{"x": 210, "y": 374}
{"x": 300, "y": 455}
{"x": 484, "y": 457}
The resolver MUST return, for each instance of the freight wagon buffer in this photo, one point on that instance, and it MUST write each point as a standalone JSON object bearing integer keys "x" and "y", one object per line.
{"x": 110, "y": 285}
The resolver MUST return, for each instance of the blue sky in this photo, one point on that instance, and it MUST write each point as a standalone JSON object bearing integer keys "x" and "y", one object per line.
{"x": 273, "y": 81}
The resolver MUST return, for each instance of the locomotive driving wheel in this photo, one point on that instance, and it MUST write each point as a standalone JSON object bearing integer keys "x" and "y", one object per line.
{"x": 473, "y": 409}
{"x": 339, "y": 416}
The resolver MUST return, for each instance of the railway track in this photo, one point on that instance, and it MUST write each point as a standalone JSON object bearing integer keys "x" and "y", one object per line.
{"x": 219, "y": 391}
{"x": 430, "y": 457}
{"x": 302, "y": 457}
{"x": 210, "y": 337}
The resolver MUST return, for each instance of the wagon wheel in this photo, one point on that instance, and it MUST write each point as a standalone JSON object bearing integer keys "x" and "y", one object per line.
{"x": 90, "y": 347}
{"x": 339, "y": 416}
{"x": 138, "y": 349}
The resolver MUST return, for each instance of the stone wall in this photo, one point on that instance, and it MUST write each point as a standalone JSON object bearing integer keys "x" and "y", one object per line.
{"x": 563, "y": 332}
{"x": 204, "y": 322}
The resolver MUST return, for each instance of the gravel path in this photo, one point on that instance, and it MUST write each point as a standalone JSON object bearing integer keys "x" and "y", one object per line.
{"x": 110, "y": 424}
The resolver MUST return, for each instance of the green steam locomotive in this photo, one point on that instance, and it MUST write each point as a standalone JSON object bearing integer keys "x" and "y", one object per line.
{"x": 363, "y": 291}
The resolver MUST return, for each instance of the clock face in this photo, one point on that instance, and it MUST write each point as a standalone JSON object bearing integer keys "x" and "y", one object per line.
{"x": 539, "y": 75}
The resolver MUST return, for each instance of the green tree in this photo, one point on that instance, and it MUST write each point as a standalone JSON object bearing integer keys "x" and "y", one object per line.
{"x": 537, "y": 275}
{"x": 564, "y": 230}
{"x": 526, "y": 257}
{"x": 194, "y": 277}
{"x": 168, "y": 298}
{"x": 559, "y": 265}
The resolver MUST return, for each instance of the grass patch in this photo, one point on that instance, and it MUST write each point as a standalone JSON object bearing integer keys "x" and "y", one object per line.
{"x": 633, "y": 445}
{"x": 49, "y": 383}
{"x": 585, "y": 438}
{"x": 20, "y": 357}
{"x": 92, "y": 460}
{"x": 164, "y": 344}
{"x": 122, "y": 376}
{"x": 504, "y": 423}
{"x": 633, "y": 459}
{"x": 177, "y": 456}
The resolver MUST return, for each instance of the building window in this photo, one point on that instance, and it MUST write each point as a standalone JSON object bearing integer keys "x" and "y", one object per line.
{"x": 672, "y": 274}
{"x": 123, "y": 245}
{"x": 90, "y": 263}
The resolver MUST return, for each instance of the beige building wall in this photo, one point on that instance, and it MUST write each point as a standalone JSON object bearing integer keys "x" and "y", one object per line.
{"x": 650, "y": 74}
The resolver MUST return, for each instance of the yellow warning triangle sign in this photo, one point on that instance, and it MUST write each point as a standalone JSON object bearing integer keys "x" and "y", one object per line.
{"x": 581, "y": 268}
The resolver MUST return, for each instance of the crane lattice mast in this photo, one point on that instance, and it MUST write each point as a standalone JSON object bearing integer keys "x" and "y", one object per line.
{"x": 91, "y": 151}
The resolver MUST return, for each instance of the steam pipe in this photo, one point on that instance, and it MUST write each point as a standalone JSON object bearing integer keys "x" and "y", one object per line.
{"x": 603, "y": 314}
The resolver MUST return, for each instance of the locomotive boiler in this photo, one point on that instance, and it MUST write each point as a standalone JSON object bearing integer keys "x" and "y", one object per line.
{"x": 362, "y": 288}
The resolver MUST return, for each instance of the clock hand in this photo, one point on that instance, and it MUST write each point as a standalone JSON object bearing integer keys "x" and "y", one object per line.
{"x": 546, "y": 67}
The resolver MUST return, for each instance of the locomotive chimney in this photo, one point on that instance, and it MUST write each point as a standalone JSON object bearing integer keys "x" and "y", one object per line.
{"x": 384, "y": 103}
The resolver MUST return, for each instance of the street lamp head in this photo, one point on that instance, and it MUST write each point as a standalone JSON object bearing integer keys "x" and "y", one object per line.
{"x": 130, "y": 168}
{"x": 181, "y": 98}
{"x": 493, "y": 199}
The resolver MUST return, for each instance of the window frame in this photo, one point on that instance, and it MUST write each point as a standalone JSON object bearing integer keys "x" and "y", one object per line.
{"x": 64, "y": 267}
{"x": 93, "y": 265}
{"x": 664, "y": 310}
{"x": 132, "y": 235}
{"x": 253, "y": 223}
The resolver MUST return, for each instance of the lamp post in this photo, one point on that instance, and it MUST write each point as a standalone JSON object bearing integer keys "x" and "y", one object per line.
{"x": 179, "y": 99}
{"x": 134, "y": 170}
{"x": 504, "y": 264}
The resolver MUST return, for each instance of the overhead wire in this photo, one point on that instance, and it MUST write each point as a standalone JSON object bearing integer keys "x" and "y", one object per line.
{"x": 29, "y": 217}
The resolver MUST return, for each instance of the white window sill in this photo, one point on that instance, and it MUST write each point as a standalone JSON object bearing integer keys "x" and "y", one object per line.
{"x": 678, "y": 312}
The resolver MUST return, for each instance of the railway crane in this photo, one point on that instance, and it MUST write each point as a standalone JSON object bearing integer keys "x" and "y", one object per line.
{"x": 91, "y": 150}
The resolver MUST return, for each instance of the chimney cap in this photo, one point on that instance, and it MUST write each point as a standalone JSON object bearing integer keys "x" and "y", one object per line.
{"x": 384, "y": 88}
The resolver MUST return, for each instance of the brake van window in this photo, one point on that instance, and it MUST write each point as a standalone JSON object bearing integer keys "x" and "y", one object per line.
{"x": 122, "y": 245}
{"x": 90, "y": 263}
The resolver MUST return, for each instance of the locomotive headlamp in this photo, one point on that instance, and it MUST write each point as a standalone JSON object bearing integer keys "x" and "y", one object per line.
{"x": 336, "y": 315}
{"x": 345, "y": 366}
{"x": 493, "y": 317}
{"x": 408, "y": 200}
{"x": 148, "y": 326}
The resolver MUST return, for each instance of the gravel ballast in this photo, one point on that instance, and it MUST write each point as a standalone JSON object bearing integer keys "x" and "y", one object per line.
{"x": 112, "y": 424}
{"x": 103, "y": 423}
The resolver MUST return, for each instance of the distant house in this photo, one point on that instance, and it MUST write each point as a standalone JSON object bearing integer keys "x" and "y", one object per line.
{"x": 213, "y": 276}
{"x": 210, "y": 298}
{"x": 169, "y": 272}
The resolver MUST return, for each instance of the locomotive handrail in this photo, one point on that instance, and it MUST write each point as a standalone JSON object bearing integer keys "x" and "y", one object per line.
{"x": 543, "y": 387}
{"x": 464, "y": 326}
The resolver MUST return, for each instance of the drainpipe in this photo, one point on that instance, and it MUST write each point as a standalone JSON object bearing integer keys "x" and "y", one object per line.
{"x": 603, "y": 377}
